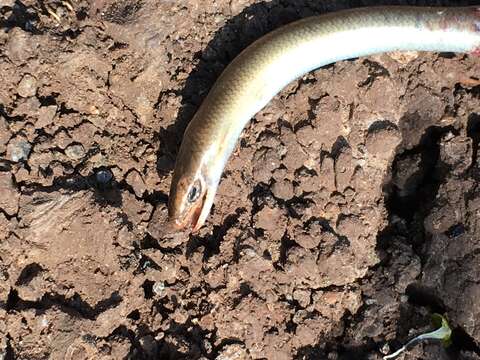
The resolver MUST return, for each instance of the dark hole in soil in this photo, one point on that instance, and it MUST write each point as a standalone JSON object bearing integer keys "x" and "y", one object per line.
{"x": 134, "y": 315}
{"x": 9, "y": 355}
{"x": 148, "y": 242}
{"x": 423, "y": 297}
{"x": 12, "y": 299}
{"x": 290, "y": 327}
{"x": 148, "y": 289}
{"x": 473, "y": 130}
{"x": 455, "y": 231}
{"x": 245, "y": 289}
{"x": 420, "y": 184}
{"x": 28, "y": 273}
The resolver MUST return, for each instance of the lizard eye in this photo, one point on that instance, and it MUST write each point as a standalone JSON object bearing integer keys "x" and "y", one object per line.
{"x": 195, "y": 191}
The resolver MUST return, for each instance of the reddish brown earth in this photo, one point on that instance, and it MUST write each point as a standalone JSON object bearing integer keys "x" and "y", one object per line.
{"x": 347, "y": 216}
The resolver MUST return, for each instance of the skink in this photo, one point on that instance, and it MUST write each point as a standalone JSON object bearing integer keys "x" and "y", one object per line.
{"x": 269, "y": 64}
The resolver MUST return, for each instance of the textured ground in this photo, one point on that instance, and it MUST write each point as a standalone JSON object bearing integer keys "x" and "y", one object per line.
{"x": 347, "y": 216}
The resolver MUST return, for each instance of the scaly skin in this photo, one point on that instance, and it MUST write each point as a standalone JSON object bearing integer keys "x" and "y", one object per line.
{"x": 265, "y": 67}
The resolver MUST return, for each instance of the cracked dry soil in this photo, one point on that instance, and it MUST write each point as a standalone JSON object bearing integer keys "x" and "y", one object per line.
{"x": 348, "y": 214}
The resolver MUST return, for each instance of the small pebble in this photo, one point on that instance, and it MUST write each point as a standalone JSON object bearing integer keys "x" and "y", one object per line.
{"x": 385, "y": 349}
{"x": 44, "y": 322}
{"x": 135, "y": 180}
{"x": 103, "y": 176}
{"x": 46, "y": 115}
{"x": 219, "y": 19}
{"x": 159, "y": 288}
{"x": 370, "y": 301}
{"x": 207, "y": 345}
{"x": 75, "y": 152}
{"x": 27, "y": 86}
{"x": 18, "y": 149}
{"x": 20, "y": 46}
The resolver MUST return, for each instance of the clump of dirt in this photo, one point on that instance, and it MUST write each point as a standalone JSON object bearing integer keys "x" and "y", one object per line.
{"x": 347, "y": 215}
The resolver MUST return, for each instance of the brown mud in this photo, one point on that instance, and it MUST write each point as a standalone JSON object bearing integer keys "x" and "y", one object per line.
{"x": 346, "y": 217}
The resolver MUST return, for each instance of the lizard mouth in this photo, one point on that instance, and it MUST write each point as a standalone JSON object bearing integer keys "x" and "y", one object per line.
{"x": 192, "y": 216}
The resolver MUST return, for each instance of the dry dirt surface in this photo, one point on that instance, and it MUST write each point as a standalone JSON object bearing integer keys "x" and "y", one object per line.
{"x": 348, "y": 214}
